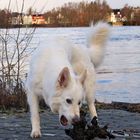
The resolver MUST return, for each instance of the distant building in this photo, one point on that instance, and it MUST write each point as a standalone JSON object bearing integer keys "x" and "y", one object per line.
{"x": 113, "y": 17}
{"x": 116, "y": 17}
{"x": 38, "y": 19}
{"x": 27, "y": 20}
{"x": 21, "y": 19}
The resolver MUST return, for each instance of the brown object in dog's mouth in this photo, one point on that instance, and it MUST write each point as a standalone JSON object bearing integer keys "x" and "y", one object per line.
{"x": 63, "y": 120}
{"x": 82, "y": 130}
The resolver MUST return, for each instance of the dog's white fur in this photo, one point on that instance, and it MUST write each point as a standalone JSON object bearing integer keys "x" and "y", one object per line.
{"x": 60, "y": 71}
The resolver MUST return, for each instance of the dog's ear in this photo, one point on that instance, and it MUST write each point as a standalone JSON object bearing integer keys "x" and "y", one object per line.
{"x": 64, "y": 78}
{"x": 83, "y": 76}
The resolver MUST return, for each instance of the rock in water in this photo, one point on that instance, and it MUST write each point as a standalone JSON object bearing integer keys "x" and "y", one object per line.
{"x": 82, "y": 131}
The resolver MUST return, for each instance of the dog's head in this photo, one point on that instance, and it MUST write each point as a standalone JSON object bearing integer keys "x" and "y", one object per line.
{"x": 69, "y": 96}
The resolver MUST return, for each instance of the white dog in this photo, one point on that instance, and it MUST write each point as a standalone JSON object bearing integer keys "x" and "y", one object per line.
{"x": 64, "y": 75}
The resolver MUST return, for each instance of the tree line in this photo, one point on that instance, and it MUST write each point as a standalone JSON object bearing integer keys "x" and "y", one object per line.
{"x": 78, "y": 14}
{"x": 4, "y": 17}
{"x": 132, "y": 15}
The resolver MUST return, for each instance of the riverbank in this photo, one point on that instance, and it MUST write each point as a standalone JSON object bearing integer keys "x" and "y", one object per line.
{"x": 17, "y": 126}
{"x": 60, "y": 25}
{"x": 131, "y": 107}
{"x": 123, "y": 120}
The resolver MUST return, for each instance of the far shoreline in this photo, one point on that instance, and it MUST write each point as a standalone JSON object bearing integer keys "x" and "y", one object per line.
{"x": 130, "y": 107}
{"x": 54, "y": 26}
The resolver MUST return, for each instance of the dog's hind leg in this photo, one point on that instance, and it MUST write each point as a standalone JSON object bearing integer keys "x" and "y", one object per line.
{"x": 35, "y": 119}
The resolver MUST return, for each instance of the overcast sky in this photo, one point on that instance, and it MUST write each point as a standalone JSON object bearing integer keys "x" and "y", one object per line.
{"x": 44, "y": 5}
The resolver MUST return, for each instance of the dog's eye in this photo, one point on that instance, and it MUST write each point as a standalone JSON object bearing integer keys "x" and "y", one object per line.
{"x": 69, "y": 101}
{"x": 79, "y": 103}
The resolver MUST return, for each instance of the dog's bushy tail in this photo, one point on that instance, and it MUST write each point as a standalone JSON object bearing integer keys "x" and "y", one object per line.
{"x": 98, "y": 37}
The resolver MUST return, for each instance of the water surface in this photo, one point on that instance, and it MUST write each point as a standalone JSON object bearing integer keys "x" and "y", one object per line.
{"x": 118, "y": 77}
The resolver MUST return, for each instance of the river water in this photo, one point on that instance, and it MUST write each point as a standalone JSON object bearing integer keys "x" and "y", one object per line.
{"x": 118, "y": 77}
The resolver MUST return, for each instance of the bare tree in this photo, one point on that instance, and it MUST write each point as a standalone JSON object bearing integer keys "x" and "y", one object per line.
{"x": 14, "y": 50}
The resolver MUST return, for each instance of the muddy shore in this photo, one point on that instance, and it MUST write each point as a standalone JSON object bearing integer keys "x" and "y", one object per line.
{"x": 123, "y": 120}
{"x": 131, "y": 107}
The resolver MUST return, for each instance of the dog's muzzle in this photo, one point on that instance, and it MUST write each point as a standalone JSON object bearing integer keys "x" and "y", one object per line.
{"x": 76, "y": 119}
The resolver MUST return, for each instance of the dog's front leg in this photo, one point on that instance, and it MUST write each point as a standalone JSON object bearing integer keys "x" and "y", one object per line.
{"x": 91, "y": 105}
{"x": 90, "y": 93}
{"x": 35, "y": 119}
{"x": 92, "y": 109}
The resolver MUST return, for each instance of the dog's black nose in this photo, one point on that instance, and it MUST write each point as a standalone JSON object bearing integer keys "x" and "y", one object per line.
{"x": 75, "y": 119}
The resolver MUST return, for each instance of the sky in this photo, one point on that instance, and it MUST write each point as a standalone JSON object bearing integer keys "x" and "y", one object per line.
{"x": 45, "y": 5}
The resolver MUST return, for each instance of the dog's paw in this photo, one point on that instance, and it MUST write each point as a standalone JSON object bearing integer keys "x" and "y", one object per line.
{"x": 94, "y": 121}
{"x": 35, "y": 134}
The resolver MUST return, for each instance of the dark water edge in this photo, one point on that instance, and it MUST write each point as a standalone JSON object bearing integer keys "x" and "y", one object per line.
{"x": 131, "y": 107}
{"x": 55, "y": 26}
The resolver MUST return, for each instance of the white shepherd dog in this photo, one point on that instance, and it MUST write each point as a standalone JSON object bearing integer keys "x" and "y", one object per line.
{"x": 64, "y": 75}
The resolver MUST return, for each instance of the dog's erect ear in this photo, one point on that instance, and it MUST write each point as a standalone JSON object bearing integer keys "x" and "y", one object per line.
{"x": 64, "y": 78}
{"x": 83, "y": 76}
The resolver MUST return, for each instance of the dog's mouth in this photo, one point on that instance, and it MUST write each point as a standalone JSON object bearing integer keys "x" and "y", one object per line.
{"x": 63, "y": 120}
